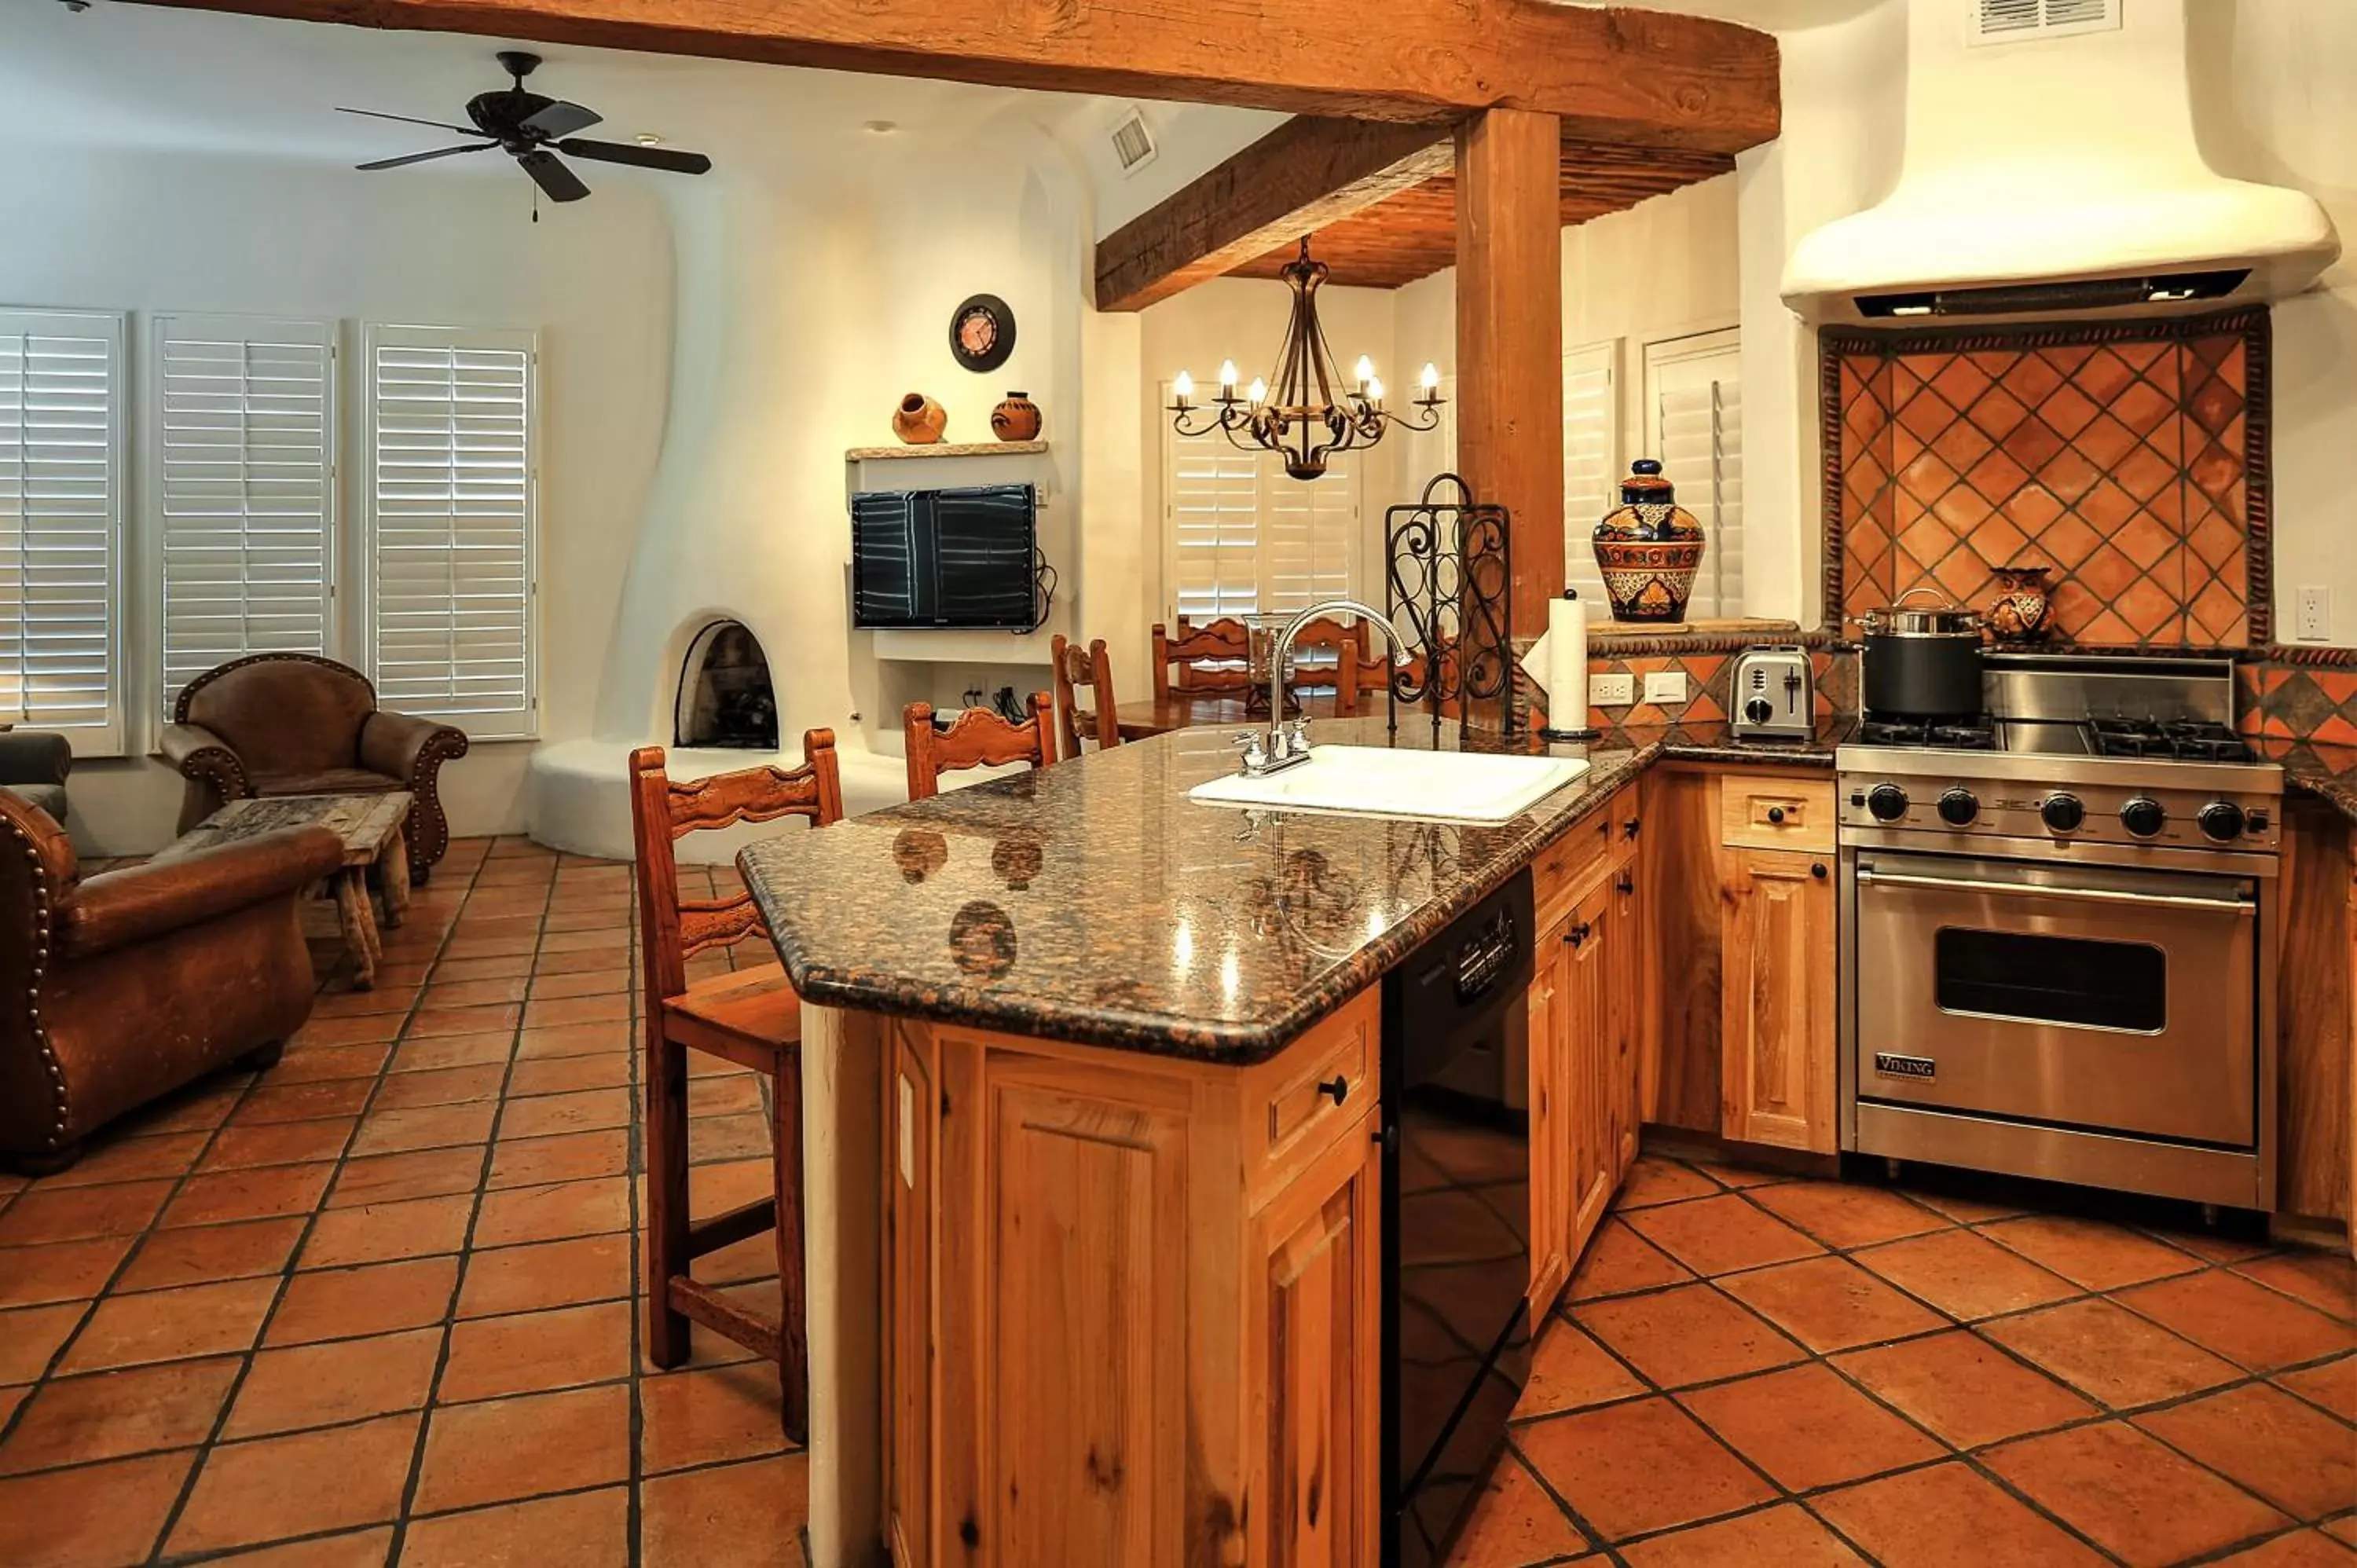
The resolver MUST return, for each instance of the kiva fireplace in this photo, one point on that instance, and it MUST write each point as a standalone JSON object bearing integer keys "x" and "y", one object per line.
{"x": 724, "y": 697}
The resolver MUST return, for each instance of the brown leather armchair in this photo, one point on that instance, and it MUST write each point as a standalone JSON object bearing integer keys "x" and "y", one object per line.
{"x": 121, "y": 988}
{"x": 293, "y": 724}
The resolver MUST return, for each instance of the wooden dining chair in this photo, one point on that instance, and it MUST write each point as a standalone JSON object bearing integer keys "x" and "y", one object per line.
{"x": 1348, "y": 644}
{"x": 749, "y": 1017}
{"x": 1212, "y": 657}
{"x": 1074, "y": 670}
{"x": 979, "y": 738}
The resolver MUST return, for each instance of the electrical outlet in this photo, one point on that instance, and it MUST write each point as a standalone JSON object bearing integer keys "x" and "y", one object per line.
{"x": 2315, "y": 615}
{"x": 1665, "y": 687}
{"x": 1611, "y": 690}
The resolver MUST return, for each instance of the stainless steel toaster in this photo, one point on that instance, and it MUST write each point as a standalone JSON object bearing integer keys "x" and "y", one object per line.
{"x": 1772, "y": 698}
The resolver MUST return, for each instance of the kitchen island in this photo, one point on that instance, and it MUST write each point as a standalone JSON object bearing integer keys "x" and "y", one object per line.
{"x": 1093, "y": 1078}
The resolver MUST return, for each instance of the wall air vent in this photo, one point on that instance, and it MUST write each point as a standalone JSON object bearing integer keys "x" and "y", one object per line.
{"x": 1132, "y": 144}
{"x": 2055, "y": 298}
{"x": 2018, "y": 21}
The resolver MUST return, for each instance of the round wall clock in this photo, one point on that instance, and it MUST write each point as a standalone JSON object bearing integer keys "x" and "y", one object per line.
{"x": 982, "y": 332}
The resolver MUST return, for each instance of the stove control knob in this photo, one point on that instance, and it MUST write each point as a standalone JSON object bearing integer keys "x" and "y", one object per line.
{"x": 1958, "y": 807}
{"x": 2064, "y": 813}
{"x": 1758, "y": 710}
{"x": 1888, "y": 802}
{"x": 2221, "y": 820}
{"x": 2143, "y": 817}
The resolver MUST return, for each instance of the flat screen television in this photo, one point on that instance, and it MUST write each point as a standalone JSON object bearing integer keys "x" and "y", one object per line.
{"x": 940, "y": 559}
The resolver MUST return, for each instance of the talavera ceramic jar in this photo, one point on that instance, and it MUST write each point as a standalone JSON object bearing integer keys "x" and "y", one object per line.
{"x": 2024, "y": 605}
{"x": 1648, "y": 549}
{"x": 1016, "y": 418}
{"x": 918, "y": 421}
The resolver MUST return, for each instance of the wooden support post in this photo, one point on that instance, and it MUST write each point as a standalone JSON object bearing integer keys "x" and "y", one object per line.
{"x": 1510, "y": 340}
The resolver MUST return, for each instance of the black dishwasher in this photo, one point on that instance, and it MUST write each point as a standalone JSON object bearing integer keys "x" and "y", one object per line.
{"x": 1456, "y": 1207}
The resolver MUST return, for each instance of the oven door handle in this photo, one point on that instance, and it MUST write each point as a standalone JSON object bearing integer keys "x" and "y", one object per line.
{"x": 2091, "y": 894}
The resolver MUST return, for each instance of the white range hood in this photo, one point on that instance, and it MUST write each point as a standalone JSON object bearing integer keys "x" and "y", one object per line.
{"x": 2051, "y": 168}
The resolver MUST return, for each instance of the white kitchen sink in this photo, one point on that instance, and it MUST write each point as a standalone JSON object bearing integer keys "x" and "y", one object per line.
{"x": 1373, "y": 781}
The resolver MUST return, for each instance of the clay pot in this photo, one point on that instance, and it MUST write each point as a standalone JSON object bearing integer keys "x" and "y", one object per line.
{"x": 1016, "y": 418}
{"x": 2024, "y": 604}
{"x": 918, "y": 421}
{"x": 1648, "y": 549}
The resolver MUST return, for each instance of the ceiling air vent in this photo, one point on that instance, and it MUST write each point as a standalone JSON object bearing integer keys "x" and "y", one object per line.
{"x": 1132, "y": 144}
{"x": 2017, "y": 21}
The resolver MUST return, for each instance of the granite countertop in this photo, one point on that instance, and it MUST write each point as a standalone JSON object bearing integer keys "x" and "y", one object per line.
{"x": 2327, "y": 771}
{"x": 1093, "y": 902}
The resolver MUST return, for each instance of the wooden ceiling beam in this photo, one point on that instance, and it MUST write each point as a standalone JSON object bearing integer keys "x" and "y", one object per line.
{"x": 1308, "y": 173}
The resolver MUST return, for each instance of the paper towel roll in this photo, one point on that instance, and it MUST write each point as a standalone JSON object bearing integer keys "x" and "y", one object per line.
{"x": 1567, "y": 664}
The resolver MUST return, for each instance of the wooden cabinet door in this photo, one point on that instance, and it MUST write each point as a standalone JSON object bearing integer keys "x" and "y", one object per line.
{"x": 1314, "y": 1316}
{"x": 1776, "y": 1018}
{"x": 1587, "y": 1049}
{"x": 911, "y": 1144}
{"x": 1631, "y": 989}
{"x": 1553, "y": 1110}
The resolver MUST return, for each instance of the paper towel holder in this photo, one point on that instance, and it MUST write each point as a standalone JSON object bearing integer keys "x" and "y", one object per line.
{"x": 1553, "y": 733}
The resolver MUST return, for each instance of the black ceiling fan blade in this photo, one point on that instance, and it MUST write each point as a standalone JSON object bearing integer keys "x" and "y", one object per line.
{"x": 421, "y": 157}
{"x": 548, "y": 172}
{"x": 644, "y": 157}
{"x": 561, "y": 119}
{"x": 411, "y": 120}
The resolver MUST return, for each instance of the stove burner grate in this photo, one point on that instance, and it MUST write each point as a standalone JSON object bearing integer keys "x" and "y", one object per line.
{"x": 2175, "y": 740}
{"x": 1955, "y": 735}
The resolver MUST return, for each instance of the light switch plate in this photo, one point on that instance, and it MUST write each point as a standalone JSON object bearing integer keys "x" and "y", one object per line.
{"x": 1665, "y": 686}
{"x": 1611, "y": 690}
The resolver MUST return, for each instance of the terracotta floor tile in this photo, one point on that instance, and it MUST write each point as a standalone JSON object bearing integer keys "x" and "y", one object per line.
{"x": 417, "y": 1172}
{"x": 200, "y": 1107}
{"x": 169, "y": 1325}
{"x": 1947, "y": 1516}
{"x": 503, "y": 1449}
{"x": 567, "y": 1075}
{"x": 589, "y": 982}
{"x": 476, "y": 992}
{"x": 745, "y": 1515}
{"x": 2291, "y": 1453}
{"x": 428, "y": 1022}
{"x": 1967, "y": 1210}
{"x": 29, "y": 1337}
{"x": 451, "y": 1050}
{"x": 1737, "y": 1175}
{"x": 702, "y": 1417}
{"x": 2130, "y": 1495}
{"x": 554, "y": 1113}
{"x": 274, "y": 1102}
{"x": 1965, "y": 1388}
{"x": 345, "y": 1379}
{"x": 1782, "y": 1536}
{"x": 1514, "y": 1523}
{"x": 264, "y": 1194}
{"x": 383, "y": 998}
{"x": 43, "y": 1214}
{"x": 1689, "y": 1335}
{"x": 241, "y": 1147}
{"x": 2325, "y": 1281}
{"x": 101, "y": 1514}
{"x": 129, "y": 1159}
{"x": 1807, "y": 1428}
{"x": 1714, "y": 1235}
{"x": 441, "y": 1086}
{"x": 557, "y": 1012}
{"x": 314, "y": 1064}
{"x": 380, "y": 1232}
{"x": 2111, "y": 1354}
{"x": 274, "y": 1487}
{"x": 2214, "y": 1247}
{"x": 1653, "y": 1181}
{"x": 353, "y": 1549}
{"x": 2242, "y": 1321}
{"x": 754, "y": 1258}
{"x": 1640, "y": 1466}
{"x": 337, "y": 1304}
{"x": 1831, "y": 1304}
{"x": 2089, "y": 1253}
{"x": 548, "y": 1213}
{"x": 586, "y": 1530}
{"x": 2343, "y": 1530}
{"x": 1619, "y": 1261}
{"x": 425, "y": 1127}
{"x": 574, "y": 1040}
{"x": 59, "y": 1271}
{"x": 1845, "y": 1215}
{"x": 546, "y": 1274}
{"x": 111, "y": 1415}
{"x": 569, "y": 1156}
{"x": 2332, "y": 1386}
{"x": 724, "y": 1094}
{"x": 1570, "y": 1370}
{"x": 532, "y": 1351}
{"x": 1964, "y": 1275}
{"x": 737, "y": 1138}
{"x": 364, "y": 1029}
{"x": 2299, "y": 1549}
{"x": 492, "y": 968}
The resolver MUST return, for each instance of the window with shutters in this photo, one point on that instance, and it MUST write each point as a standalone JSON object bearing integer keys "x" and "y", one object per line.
{"x": 244, "y": 454}
{"x": 1591, "y": 461}
{"x": 1694, "y": 416}
{"x": 1243, "y": 538}
{"x": 61, "y": 427}
{"x": 450, "y": 488}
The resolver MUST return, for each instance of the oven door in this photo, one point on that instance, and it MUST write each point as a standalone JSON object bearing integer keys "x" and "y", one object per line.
{"x": 2080, "y": 995}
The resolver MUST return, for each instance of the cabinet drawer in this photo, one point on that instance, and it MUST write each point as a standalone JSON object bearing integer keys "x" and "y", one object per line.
{"x": 1766, "y": 810}
{"x": 1564, "y": 869}
{"x": 1292, "y": 1109}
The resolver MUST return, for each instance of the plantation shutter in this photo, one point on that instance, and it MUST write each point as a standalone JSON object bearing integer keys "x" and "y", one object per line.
{"x": 245, "y": 463}
{"x": 1694, "y": 403}
{"x": 1308, "y": 528}
{"x": 452, "y": 516}
{"x": 61, "y": 524}
{"x": 1211, "y": 498}
{"x": 1591, "y": 464}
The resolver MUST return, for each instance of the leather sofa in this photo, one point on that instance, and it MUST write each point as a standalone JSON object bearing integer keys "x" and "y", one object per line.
{"x": 33, "y": 765}
{"x": 125, "y": 987}
{"x": 294, "y": 724}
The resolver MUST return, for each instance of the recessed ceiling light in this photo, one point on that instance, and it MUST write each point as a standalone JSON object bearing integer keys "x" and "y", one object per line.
{"x": 880, "y": 128}
{"x": 648, "y": 139}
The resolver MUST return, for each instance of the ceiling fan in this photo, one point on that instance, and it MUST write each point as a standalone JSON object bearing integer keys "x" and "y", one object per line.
{"x": 533, "y": 130}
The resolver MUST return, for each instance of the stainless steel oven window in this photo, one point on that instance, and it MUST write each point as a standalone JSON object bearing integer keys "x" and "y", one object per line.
{"x": 2073, "y": 981}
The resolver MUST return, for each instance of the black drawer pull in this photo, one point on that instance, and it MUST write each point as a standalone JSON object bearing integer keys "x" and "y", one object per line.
{"x": 1629, "y": 829}
{"x": 1579, "y": 933}
{"x": 1339, "y": 1087}
{"x": 1776, "y": 814}
{"x": 1817, "y": 870}
{"x": 1628, "y": 883}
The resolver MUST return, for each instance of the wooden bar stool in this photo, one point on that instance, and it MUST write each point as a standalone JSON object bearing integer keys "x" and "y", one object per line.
{"x": 1093, "y": 670}
{"x": 749, "y": 1017}
{"x": 1213, "y": 657}
{"x": 979, "y": 738}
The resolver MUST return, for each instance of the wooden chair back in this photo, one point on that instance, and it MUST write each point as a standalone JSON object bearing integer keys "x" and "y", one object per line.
{"x": 978, "y": 738}
{"x": 1180, "y": 662}
{"x": 1348, "y": 645}
{"x": 673, "y": 929}
{"x": 1074, "y": 670}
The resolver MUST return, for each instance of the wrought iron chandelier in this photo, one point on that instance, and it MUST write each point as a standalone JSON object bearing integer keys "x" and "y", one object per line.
{"x": 1304, "y": 422}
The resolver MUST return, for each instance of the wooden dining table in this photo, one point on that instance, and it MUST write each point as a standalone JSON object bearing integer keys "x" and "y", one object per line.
{"x": 1191, "y": 710}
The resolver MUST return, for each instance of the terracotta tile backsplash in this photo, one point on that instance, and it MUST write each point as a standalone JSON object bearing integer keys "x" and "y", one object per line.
{"x": 2129, "y": 458}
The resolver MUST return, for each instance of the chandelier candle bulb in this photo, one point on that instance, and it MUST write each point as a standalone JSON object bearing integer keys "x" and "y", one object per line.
{"x": 1227, "y": 379}
{"x": 1365, "y": 372}
{"x": 1183, "y": 388}
{"x": 1376, "y": 391}
{"x": 1259, "y": 390}
{"x": 1430, "y": 380}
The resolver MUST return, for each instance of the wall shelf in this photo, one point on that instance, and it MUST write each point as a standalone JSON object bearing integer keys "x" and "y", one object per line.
{"x": 944, "y": 449}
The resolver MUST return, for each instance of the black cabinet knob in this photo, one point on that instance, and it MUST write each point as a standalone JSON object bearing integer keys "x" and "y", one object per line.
{"x": 1817, "y": 870}
{"x": 1776, "y": 814}
{"x": 1339, "y": 1087}
{"x": 1629, "y": 829}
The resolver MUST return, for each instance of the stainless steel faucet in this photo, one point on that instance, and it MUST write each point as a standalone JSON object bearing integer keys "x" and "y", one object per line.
{"x": 1284, "y": 748}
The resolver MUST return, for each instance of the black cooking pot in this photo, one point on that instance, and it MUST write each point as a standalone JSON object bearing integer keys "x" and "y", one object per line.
{"x": 1921, "y": 662}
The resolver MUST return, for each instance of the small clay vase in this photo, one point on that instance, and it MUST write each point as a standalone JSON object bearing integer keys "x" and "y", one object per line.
{"x": 2024, "y": 604}
{"x": 1016, "y": 418}
{"x": 919, "y": 421}
{"x": 1648, "y": 549}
